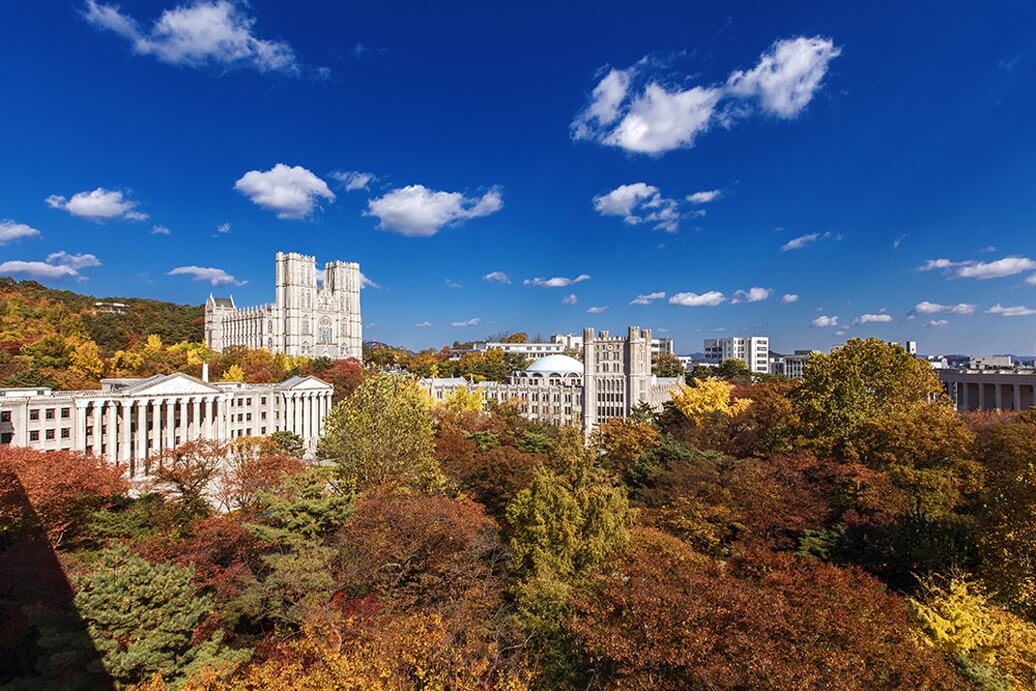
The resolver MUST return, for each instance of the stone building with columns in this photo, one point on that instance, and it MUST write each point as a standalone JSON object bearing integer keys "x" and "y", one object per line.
{"x": 130, "y": 420}
{"x": 305, "y": 319}
{"x": 983, "y": 389}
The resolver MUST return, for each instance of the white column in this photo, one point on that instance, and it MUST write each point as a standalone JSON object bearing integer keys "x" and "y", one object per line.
{"x": 170, "y": 423}
{"x": 98, "y": 426}
{"x": 78, "y": 427}
{"x": 196, "y": 418}
{"x": 126, "y": 424}
{"x": 1017, "y": 390}
{"x": 185, "y": 421}
{"x": 207, "y": 425}
{"x": 113, "y": 441}
{"x": 140, "y": 453}
{"x": 306, "y": 436}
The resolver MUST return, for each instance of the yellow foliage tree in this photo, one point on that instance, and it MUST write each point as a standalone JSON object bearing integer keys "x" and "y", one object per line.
{"x": 464, "y": 400}
{"x": 153, "y": 344}
{"x": 957, "y": 615}
{"x": 125, "y": 363}
{"x": 234, "y": 373}
{"x": 708, "y": 397}
{"x": 86, "y": 361}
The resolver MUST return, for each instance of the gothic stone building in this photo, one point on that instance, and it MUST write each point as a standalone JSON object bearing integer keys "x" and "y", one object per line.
{"x": 613, "y": 379}
{"x": 305, "y": 319}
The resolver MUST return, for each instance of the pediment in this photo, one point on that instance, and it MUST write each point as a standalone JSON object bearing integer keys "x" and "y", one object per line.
{"x": 307, "y": 383}
{"x": 173, "y": 384}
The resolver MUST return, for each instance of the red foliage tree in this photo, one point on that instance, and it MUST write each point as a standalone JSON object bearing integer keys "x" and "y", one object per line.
{"x": 665, "y": 620}
{"x": 62, "y": 487}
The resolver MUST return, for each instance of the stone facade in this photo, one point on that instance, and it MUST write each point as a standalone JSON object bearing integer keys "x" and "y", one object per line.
{"x": 614, "y": 378}
{"x": 971, "y": 390}
{"x": 130, "y": 420}
{"x": 305, "y": 320}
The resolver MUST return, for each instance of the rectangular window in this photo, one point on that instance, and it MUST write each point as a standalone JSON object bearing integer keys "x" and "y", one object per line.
{"x": 50, "y": 434}
{"x": 65, "y": 413}
{"x": 66, "y": 432}
{"x": 34, "y": 414}
{"x": 49, "y": 414}
{"x": 5, "y": 416}
{"x": 34, "y": 435}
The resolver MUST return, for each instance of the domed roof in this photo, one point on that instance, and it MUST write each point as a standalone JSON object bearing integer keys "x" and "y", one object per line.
{"x": 556, "y": 364}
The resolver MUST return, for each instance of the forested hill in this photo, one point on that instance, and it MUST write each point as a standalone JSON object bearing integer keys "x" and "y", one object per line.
{"x": 30, "y": 311}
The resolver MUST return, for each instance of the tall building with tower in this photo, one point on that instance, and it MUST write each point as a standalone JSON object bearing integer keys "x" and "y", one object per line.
{"x": 306, "y": 318}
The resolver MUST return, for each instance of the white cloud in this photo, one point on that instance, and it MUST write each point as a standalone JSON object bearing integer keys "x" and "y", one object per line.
{"x": 570, "y": 299}
{"x": 424, "y": 325}
{"x": 354, "y": 179}
{"x": 74, "y": 261}
{"x": 366, "y": 282}
{"x": 648, "y": 298}
{"x": 789, "y": 298}
{"x": 160, "y": 230}
{"x": 803, "y": 240}
{"x": 417, "y": 211}
{"x": 497, "y": 277}
{"x": 709, "y": 299}
{"x": 290, "y": 191}
{"x": 637, "y": 203}
{"x": 872, "y": 319}
{"x": 704, "y": 197}
{"x": 216, "y": 33}
{"x": 632, "y": 110}
{"x": 36, "y": 269}
{"x": 453, "y": 284}
{"x": 787, "y": 76}
{"x": 824, "y": 321}
{"x": 58, "y": 265}
{"x": 223, "y": 228}
{"x": 556, "y": 282}
{"x": 1008, "y": 266}
{"x": 751, "y": 295}
{"x": 470, "y": 322}
{"x": 969, "y": 268}
{"x": 206, "y": 274}
{"x": 937, "y": 323}
{"x": 595, "y": 310}
{"x": 98, "y": 205}
{"x": 10, "y": 231}
{"x": 1016, "y": 311}
{"x": 925, "y": 307}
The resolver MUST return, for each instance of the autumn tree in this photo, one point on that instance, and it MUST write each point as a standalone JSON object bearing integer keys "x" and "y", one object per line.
{"x": 1007, "y": 521}
{"x": 623, "y": 443}
{"x": 958, "y": 616}
{"x": 665, "y": 618}
{"x": 344, "y": 375}
{"x": 863, "y": 381}
{"x": 186, "y": 474}
{"x": 383, "y": 433}
{"x": 63, "y": 489}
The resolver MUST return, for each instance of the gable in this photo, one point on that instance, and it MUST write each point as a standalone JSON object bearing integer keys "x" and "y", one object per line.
{"x": 306, "y": 384}
{"x": 173, "y": 384}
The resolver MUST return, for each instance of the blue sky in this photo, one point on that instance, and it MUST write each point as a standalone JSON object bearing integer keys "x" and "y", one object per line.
{"x": 704, "y": 161}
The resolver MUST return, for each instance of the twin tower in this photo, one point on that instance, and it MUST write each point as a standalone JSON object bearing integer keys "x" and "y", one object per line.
{"x": 306, "y": 319}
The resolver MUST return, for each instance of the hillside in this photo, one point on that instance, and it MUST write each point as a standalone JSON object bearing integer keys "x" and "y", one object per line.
{"x": 34, "y": 320}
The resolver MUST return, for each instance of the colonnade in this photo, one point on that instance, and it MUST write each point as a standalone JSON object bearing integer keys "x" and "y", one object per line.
{"x": 131, "y": 429}
{"x": 980, "y": 395}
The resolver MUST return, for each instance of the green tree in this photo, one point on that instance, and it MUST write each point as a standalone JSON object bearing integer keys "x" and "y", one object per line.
{"x": 857, "y": 384}
{"x": 143, "y": 619}
{"x": 297, "y": 581}
{"x": 570, "y": 518}
{"x": 383, "y": 433}
{"x": 288, "y": 444}
{"x": 668, "y": 365}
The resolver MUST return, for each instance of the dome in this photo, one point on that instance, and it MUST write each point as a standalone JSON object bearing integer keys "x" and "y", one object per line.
{"x": 559, "y": 365}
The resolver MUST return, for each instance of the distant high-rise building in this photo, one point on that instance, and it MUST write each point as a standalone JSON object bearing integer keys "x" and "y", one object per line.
{"x": 754, "y": 351}
{"x": 306, "y": 319}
